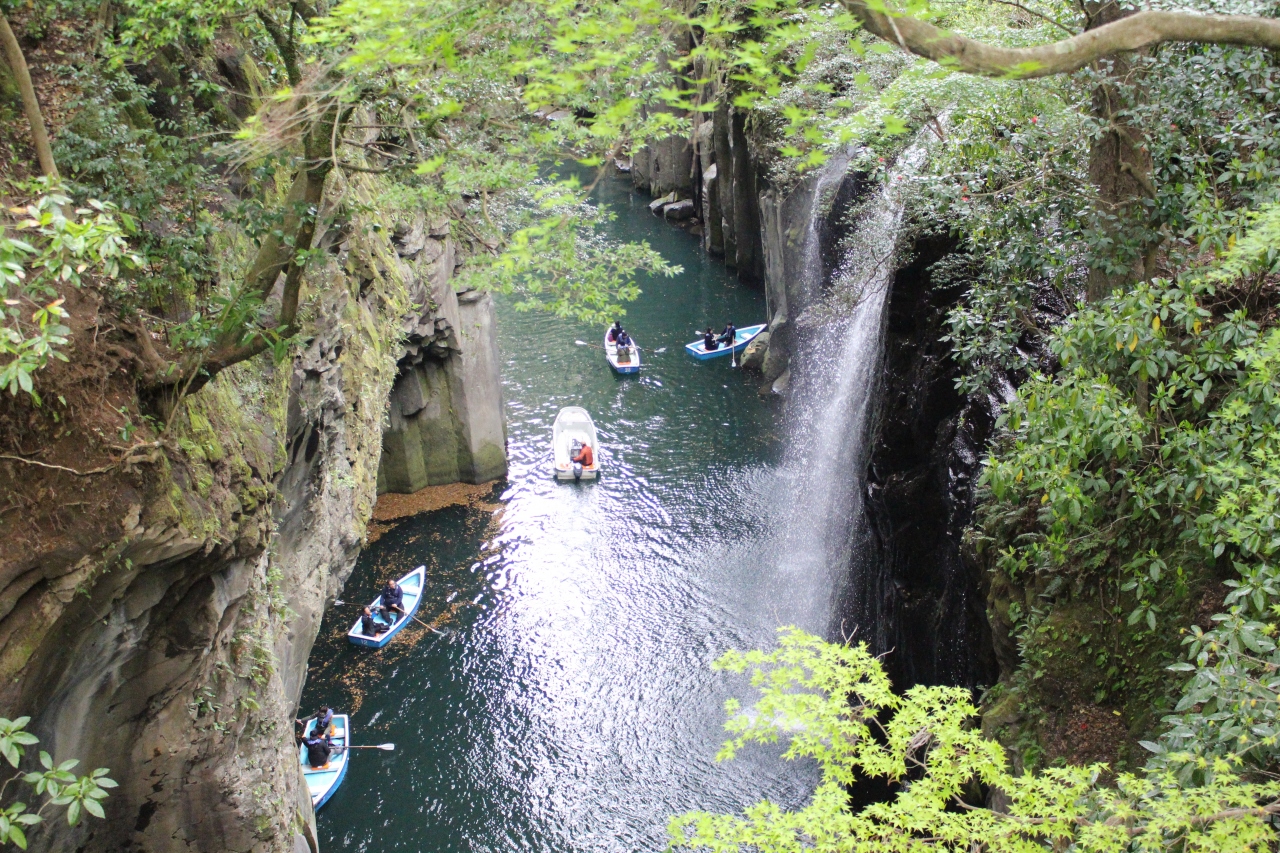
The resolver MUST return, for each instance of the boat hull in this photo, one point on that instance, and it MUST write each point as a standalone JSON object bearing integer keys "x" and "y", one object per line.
{"x": 322, "y": 783}
{"x": 624, "y": 368}
{"x": 743, "y": 337}
{"x": 412, "y": 584}
{"x": 573, "y": 422}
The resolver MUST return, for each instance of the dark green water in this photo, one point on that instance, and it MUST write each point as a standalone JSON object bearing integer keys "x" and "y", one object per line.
{"x": 570, "y": 704}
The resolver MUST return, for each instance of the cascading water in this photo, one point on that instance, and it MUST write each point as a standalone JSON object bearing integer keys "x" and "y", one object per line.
{"x": 825, "y": 186}
{"x": 834, "y": 375}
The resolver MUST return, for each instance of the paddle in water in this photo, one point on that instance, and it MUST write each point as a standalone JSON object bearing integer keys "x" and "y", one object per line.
{"x": 384, "y": 746}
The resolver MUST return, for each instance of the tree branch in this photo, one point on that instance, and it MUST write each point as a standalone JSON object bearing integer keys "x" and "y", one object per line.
{"x": 284, "y": 44}
{"x": 1137, "y": 31}
{"x": 1036, "y": 14}
{"x": 30, "y": 104}
{"x": 287, "y": 253}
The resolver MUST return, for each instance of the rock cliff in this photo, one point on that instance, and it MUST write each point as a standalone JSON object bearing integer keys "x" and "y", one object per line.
{"x": 156, "y": 616}
{"x": 921, "y": 596}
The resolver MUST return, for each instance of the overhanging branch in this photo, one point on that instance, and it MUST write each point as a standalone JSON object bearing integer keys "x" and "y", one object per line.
{"x": 1135, "y": 32}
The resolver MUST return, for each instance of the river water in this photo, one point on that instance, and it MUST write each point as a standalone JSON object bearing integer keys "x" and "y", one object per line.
{"x": 568, "y": 703}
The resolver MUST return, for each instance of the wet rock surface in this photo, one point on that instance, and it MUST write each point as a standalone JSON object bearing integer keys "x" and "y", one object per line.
{"x": 925, "y": 600}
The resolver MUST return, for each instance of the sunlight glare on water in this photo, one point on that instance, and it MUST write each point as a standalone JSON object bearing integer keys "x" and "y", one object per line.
{"x": 570, "y": 704}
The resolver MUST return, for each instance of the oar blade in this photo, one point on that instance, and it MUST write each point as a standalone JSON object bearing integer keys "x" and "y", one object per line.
{"x": 387, "y": 746}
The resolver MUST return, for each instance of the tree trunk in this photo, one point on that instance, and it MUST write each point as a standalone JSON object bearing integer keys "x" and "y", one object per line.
{"x": 1119, "y": 166}
{"x": 30, "y": 104}
{"x": 282, "y": 251}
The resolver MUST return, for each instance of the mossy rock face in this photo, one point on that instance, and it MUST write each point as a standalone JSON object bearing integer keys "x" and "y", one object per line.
{"x": 488, "y": 463}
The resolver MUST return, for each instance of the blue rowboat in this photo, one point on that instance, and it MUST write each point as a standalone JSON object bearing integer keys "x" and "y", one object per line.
{"x": 323, "y": 781}
{"x": 626, "y": 362}
{"x": 740, "y": 341}
{"x": 411, "y": 584}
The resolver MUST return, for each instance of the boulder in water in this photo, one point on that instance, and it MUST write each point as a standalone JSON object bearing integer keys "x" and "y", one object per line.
{"x": 781, "y": 384}
{"x": 679, "y": 210}
{"x": 776, "y": 359}
{"x": 753, "y": 355}
{"x": 657, "y": 204}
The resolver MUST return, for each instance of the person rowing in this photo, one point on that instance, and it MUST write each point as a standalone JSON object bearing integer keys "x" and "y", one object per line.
{"x": 392, "y": 600}
{"x": 730, "y": 332}
{"x": 320, "y": 747}
{"x": 624, "y": 340}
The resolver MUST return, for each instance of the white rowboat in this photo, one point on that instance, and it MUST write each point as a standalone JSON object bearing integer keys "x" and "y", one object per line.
{"x": 573, "y": 422}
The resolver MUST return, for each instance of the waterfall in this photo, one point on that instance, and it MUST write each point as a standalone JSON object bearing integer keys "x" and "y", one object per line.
{"x": 825, "y": 185}
{"x": 834, "y": 375}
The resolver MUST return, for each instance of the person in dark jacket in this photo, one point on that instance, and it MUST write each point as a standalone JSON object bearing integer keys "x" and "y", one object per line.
{"x": 730, "y": 332}
{"x": 319, "y": 749}
{"x": 613, "y": 332}
{"x": 393, "y": 600}
{"x": 709, "y": 341}
{"x": 323, "y": 718}
{"x": 369, "y": 626}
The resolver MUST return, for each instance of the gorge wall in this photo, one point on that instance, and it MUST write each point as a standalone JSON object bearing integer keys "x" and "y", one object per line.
{"x": 914, "y": 592}
{"x": 156, "y": 615}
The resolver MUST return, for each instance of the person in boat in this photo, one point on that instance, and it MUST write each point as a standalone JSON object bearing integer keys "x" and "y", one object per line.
{"x": 320, "y": 748}
{"x": 369, "y": 626}
{"x": 624, "y": 340}
{"x": 730, "y": 332}
{"x": 583, "y": 455}
{"x": 323, "y": 718}
{"x": 612, "y": 337}
{"x": 709, "y": 342}
{"x": 392, "y": 600}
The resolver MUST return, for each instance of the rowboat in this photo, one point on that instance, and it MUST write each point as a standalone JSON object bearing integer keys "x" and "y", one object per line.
{"x": 740, "y": 340}
{"x": 411, "y": 584}
{"x": 572, "y": 423}
{"x": 323, "y": 781}
{"x": 628, "y": 361}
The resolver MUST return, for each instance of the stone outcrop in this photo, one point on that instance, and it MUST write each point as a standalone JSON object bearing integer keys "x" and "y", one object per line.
{"x": 164, "y": 632}
{"x": 445, "y": 419}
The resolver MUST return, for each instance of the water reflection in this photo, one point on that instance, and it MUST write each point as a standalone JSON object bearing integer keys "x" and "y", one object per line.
{"x": 568, "y": 702}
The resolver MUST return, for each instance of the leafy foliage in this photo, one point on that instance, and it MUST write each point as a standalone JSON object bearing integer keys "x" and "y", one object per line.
{"x": 63, "y": 245}
{"x": 1151, "y": 459}
{"x": 834, "y": 705}
{"x": 56, "y": 784}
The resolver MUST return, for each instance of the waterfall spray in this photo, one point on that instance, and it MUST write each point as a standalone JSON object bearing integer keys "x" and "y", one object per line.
{"x": 834, "y": 376}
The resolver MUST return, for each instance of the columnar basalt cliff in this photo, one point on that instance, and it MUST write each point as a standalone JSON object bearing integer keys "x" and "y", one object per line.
{"x": 445, "y": 421}
{"x": 156, "y": 614}
{"x": 921, "y": 595}
{"x": 913, "y": 592}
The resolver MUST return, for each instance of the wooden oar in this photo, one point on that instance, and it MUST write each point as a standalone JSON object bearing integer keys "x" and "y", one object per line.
{"x": 386, "y": 746}
{"x": 425, "y": 625}
{"x": 597, "y": 346}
